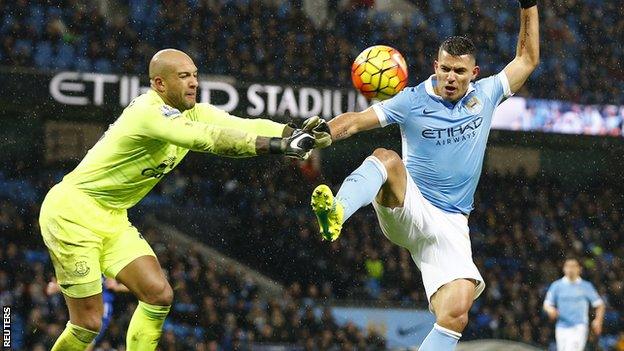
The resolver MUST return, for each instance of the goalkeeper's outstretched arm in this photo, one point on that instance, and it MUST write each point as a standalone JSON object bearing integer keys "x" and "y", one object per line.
{"x": 259, "y": 126}
{"x": 229, "y": 142}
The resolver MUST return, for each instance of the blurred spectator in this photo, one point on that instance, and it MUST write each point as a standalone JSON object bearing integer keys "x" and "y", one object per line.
{"x": 521, "y": 229}
{"x": 212, "y": 310}
{"x": 257, "y": 41}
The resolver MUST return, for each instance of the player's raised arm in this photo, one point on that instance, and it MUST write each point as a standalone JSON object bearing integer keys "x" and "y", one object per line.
{"x": 527, "y": 51}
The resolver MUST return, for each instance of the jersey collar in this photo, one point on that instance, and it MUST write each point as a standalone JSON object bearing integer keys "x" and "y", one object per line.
{"x": 429, "y": 84}
{"x": 154, "y": 95}
{"x": 570, "y": 281}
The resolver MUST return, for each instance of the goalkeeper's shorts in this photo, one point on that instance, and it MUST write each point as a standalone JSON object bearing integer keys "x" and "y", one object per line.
{"x": 86, "y": 240}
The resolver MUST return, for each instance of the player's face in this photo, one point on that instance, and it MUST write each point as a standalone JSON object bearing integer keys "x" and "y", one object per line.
{"x": 572, "y": 269}
{"x": 182, "y": 86}
{"x": 453, "y": 75}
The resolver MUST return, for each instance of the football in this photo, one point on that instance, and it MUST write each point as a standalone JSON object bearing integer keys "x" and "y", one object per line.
{"x": 379, "y": 72}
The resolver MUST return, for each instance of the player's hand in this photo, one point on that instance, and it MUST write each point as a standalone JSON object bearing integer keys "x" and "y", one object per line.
{"x": 319, "y": 128}
{"x": 553, "y": 313}
{"x": 52, "y": 288}
{"x": 298, "y": 144}
{"x": 596, "y": 326}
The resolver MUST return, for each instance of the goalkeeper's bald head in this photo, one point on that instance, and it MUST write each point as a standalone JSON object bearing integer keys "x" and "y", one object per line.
{"x": 173, "y": 75}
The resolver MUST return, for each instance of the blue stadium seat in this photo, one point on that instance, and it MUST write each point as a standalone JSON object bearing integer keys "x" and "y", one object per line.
{"x": 24, "y": 46}
{"x": 103, "y": 65}
{"x": 37, "y": 18}
{"x": 43, "y": 54}
{"x": 83, "y": 64}
{"x": 65, "y": 56}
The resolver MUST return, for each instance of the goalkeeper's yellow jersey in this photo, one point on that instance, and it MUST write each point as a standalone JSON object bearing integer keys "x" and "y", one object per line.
{"x": 150, "y": 138}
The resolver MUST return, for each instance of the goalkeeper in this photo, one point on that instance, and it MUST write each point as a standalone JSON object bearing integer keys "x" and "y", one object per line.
{"x": 84, "y": 219}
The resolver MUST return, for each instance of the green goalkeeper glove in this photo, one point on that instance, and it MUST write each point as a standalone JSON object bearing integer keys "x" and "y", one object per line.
{"x": 319, "y": 129}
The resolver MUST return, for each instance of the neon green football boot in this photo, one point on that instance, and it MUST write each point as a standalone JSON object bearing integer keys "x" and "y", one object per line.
{"x": 329, "y": 212}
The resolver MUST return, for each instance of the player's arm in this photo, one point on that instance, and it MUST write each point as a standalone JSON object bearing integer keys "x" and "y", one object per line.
{"x": 551, "y": 311}
{"x": 203, "y": 137}
{"x": 209, "y": 114}
{"x": 549, "y": 303}
{"x": 113, "y": 285}
{"x": 52, "y": 288}
{"x": 351, "y": 123}
{"x": 527, "y": 50}
{"x": 380, "y": 114}
{"x": 599, "y": 306}
{"x": 597, "y": 322}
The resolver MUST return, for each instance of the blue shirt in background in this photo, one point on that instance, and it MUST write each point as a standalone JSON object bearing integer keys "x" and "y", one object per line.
{"x": 572, "y": 299}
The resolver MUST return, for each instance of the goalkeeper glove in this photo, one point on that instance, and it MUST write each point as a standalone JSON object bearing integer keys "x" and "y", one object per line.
{"x": 296, "y": 146}
{"x": 319, "y": 129}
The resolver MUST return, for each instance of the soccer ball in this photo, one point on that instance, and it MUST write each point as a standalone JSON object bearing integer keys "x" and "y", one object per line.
{"x": 379, "y": 72}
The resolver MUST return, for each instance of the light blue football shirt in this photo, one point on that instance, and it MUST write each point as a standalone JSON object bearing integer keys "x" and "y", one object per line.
{"x": 444, "y": 143}
{"x": 572, "y": 299}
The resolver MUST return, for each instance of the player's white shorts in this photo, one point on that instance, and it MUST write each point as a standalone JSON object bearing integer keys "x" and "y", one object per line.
{"x": 438, "y": 241}
{"x": 572, "y": 338}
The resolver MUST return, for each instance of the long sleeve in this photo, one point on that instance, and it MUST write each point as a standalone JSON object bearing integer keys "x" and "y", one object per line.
{"x": 207, "y": 113}
{"x": 199, "y": 136}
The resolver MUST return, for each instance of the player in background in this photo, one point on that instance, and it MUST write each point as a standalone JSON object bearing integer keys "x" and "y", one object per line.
{"x": 109, "y": 287}
{"x": 567, "y": 302}
{"x": 84, "y": 219}
{"x": 423, "y": 200}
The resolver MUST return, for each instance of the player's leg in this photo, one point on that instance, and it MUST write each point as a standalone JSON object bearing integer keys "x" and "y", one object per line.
{"x": 74, "y": 251}
{"x": 383, "y": 170}
{"x": 146, "y": 280}
{"x": 559, "y": 339}
{"x": 85, "y": 319}
{"x": 564, "y": 338}
{"x": 583, "y": 333}
{"x": 450, "y": 304}
{"x": 107, "y": 315}
{"x": 131, "y": 261}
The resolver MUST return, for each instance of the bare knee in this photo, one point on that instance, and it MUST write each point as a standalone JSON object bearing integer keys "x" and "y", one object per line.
{"x": 455, "y": 319}
{"x": 158, "y": 293}
{"x": 90, "y": 320}
{"x": 390, "y": 159}
{"x": 451, "y": 304}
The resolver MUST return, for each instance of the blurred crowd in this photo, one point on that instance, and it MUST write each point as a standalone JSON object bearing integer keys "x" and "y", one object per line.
{"x": 256, "y": 41}
{"x": 214, "y": 308}
{"x": 520, "y": 236}
{"x": 569, "y": 118}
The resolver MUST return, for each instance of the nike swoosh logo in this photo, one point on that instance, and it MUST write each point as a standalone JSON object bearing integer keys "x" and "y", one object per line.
{"x": 428, "y": 112}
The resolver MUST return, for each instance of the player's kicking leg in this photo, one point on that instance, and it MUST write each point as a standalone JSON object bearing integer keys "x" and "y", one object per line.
{"x": 382, "y": 177}
{"x": 358, "y": 190}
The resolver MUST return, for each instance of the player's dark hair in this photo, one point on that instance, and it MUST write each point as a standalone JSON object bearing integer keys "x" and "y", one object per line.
{"x": 572, "y": 258}
{"x": 458, "y": 45}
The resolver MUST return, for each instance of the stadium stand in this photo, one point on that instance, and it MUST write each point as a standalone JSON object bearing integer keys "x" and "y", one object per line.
{"x": 215, "y": 308}
{"x": 252, "y": 40}
{"x": 521, "y": 228}
{"x": 518, "y": 256}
